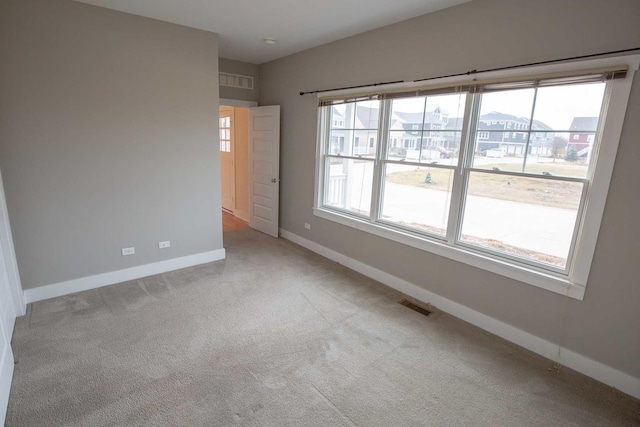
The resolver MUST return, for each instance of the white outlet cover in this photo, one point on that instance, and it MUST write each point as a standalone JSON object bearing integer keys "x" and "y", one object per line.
{"x": 165, "y": 244}
{"x": 128, "y": 251}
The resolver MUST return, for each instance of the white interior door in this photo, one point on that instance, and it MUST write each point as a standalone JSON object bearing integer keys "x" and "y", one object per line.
{"x": 7, "y": 319}
{"x": 264, "y": 168}
{"x": 11, "y": 303}
{"x": 227, "y": 159}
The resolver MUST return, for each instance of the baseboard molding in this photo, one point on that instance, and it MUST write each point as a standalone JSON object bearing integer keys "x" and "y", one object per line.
{"x": 113, "y": 277}
{"x": 242, "y": 215}
{"x": 6, "y": 374}
{"x": 594, "y": 369}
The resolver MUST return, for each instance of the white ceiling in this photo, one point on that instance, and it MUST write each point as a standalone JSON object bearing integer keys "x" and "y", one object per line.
{"x": 296, "y": 24}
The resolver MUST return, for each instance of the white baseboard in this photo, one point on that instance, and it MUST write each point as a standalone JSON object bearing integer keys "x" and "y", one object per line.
{"x": 594, "y": 369}
{"x": 6, "y": 374}
{"x": 113, "y": 277}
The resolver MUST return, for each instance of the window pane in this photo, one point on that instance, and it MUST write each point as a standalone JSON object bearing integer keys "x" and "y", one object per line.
{"x": 407, "y": 114}
{"x": 339, "y": 142}
{"x": 421, "y": 129}
{"x": 566, "y": 119}
{"x": 417, "y": 197}
{"x": 560, "y": 154}
{"x": 509, "y": 109}
{"x": 440, "y": 147}
{"x": 502, "y": 130}
{"x": 340, "y": 117}
{"x": 404, "y": 145}
{"x": 367, "y": 114}
{"x": 354, "y": 129}
{"x": 348, "y": 184}
{"x": 569, "y": 108}
{"x": 365, "y": 143}
{"x": 446, "y": 111}
{"x": 528, "y": 218}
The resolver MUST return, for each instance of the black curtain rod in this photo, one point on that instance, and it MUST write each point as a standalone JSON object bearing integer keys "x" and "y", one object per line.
{"x": 487, "y": 70}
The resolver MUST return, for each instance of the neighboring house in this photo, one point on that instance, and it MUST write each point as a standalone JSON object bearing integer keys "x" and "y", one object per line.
{"x": 413, "y": 124}
{"x": 409, "y": 131}
{"x": 509, "y": 133}
{"x": 434, "y": 130}
{"x": 582, "y": 134}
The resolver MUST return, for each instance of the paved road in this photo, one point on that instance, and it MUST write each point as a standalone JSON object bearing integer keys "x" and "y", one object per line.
{"x": 542, "y": 229}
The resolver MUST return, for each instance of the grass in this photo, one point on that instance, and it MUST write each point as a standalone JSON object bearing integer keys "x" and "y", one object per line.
{"x": 533, "y": 191}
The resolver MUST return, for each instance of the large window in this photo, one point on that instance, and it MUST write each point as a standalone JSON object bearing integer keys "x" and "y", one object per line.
{"x": 443, "y": 170}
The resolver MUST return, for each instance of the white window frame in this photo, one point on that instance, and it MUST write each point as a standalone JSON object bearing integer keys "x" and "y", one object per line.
{"x": 572, "y": 284}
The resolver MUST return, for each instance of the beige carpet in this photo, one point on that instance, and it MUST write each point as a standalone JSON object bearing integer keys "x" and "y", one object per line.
{"x": 278, "y": 336}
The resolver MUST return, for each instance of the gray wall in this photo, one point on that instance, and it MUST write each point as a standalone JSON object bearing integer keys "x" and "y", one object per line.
{"x": 477, "y": 35}
{"x": 245, "y": 69}
{"x": 108, "y": 137}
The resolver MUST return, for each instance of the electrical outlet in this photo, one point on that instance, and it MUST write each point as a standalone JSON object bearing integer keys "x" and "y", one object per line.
{"x": 164, "y": 245}
{"x": 307, "y": 226}
{"x": 128, "y": 251}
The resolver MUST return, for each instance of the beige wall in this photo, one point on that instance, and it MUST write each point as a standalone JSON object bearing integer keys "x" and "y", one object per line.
{"x": 477, "y": 35}
{"x": 244, "y": 69}
{"x": 108, "y": 138}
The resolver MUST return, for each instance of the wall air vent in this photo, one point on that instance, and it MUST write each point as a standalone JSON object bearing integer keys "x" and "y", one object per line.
{"x": 235, "y": 80}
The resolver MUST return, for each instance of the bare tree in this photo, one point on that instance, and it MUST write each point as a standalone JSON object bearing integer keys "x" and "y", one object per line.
{"x": 557, "y": 145}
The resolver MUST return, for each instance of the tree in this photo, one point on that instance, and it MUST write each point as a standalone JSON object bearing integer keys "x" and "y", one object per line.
{"x": 572, "y": 154}
{"x": 557, "y": 145}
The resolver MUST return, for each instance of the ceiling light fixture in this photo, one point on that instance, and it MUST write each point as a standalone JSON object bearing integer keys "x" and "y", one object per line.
{"x": 269, "y": 41}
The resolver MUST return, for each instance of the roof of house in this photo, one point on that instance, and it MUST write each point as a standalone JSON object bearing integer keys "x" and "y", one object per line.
{"x": 413, "y": 118}
{"x": 368, "y": 117}
{"x": 496, "y": 116}
{"x": 589, "y": 124}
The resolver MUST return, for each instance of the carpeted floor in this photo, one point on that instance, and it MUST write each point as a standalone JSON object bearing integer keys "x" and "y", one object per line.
{"x": 278, "y": 336}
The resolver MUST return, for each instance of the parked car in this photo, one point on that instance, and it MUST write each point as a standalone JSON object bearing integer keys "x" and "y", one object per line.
{"x": 444, "y": 153}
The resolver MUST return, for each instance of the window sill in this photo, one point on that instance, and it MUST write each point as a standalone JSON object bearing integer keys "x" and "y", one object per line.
{"x": 548, "y": 281}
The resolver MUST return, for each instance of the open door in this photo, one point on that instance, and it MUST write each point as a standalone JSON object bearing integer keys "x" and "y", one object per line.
{"x": 7, "y": 319}
{"x": 264, "y": 168}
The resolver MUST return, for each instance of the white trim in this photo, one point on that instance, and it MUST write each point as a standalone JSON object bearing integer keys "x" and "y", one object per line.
{"x": 549, "y": 282}
{"x": 15, "y": 287}
{"x": 615, "y": 110}
{"x": 227, "y": 102}
{"x": 243, "y": 215}
{"x": 594, "y": 369}
{"x": 113, "y": 277}
{"x": 6, "y": 374}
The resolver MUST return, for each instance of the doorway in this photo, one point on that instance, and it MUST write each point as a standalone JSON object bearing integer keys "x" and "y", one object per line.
{"x": 234, "y": 166}
{"x": 250, "y": 164}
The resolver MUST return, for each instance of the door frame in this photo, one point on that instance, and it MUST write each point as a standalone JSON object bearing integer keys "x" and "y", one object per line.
{"x": 230, "y": 178}
{"x": 8, "y": 252}
{"x": 15, "y": 306}
{"x": 225, "y": 102}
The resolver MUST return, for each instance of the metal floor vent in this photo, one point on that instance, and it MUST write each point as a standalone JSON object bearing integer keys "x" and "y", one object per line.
{"x": 415, "y": 307}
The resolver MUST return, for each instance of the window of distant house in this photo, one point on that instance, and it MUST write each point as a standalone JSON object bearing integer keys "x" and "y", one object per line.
{"x": 528, "y": 207}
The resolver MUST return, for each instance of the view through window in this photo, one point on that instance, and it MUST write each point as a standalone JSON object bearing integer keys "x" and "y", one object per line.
{"x": 504, "y": 172}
